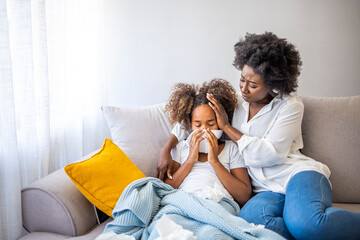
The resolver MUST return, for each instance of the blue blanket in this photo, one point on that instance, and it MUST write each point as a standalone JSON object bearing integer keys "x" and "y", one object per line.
{"x": 144, "y": 201}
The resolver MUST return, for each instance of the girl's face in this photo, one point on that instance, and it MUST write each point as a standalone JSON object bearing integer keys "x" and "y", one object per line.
{"x": 253, "y": 89}
{"x": 203, "y": 117}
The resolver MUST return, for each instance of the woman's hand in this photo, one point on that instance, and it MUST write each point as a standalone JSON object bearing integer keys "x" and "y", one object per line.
{"x": 194, "y": 145}
{"x": 221, "y": 115}
{"x": 213, "y": 147}
{"x": 164, "y": 162}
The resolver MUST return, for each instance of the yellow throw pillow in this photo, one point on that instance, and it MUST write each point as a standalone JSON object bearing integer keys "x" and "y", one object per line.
{"x": 103, "y": 177}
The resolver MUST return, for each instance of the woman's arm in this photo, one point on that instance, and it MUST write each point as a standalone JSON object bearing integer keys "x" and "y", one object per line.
{"x": 164, "y": 163}
{"x": 222, "y": 119}
{"x": 234, "y": 134}
{"x": 273, "y": 148}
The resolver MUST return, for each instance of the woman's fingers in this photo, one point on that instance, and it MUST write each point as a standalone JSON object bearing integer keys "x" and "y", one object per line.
{"x": 169, "y": 173}
{"x": 221, "y": 115}
{"x": 211, "y": 98}
{"x": 213, "y": 102}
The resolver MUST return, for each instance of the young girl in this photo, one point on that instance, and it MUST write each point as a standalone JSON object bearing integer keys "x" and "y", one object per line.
{"x": 220, "y": 171}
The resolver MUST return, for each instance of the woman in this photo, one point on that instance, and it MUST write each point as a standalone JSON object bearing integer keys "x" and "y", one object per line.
{"x": 293, "y": 193}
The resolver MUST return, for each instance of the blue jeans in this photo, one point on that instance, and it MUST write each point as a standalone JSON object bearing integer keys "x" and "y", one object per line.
{"x": 305, "y": 212}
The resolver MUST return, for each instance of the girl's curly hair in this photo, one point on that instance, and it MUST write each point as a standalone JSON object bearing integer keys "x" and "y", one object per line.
{"x": 275, "y": 59}
{"x": 185, "y": 97}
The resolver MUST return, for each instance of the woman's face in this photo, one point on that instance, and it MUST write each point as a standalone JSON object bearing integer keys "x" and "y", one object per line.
{"x": 252, "y": 87}
{"x": 203, "y": 117}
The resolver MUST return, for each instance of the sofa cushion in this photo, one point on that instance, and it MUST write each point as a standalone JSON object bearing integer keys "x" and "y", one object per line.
{"x": 331, "y": 134}
{"x": 140, "y": 132}
{"x": 104, "y": 176}
{"x": 348, "y": 206}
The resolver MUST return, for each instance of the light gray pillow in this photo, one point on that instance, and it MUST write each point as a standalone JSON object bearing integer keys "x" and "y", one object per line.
{"x": 140, "y": 132}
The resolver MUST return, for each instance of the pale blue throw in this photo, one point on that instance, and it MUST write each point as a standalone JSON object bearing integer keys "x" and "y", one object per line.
{"x": 144, "y": 201}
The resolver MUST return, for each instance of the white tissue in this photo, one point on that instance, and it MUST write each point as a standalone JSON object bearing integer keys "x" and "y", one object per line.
{"x": 113, "y": 236}
{"x": 169, "y": 230}
{"x": 203, "y": 146}
{"x": 215, "y": 193}
{"x": 257, "y": 225}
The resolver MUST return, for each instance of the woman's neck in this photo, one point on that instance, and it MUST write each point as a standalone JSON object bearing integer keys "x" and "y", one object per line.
{"x": 263, "y": 102}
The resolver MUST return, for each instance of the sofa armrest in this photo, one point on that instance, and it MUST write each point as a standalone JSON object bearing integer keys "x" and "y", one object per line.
{"x": 54, "y": 204}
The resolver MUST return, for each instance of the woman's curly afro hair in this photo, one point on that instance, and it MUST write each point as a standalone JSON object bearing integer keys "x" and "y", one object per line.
{"x": 275, "y": 59}
{"x": 185, "y": 97}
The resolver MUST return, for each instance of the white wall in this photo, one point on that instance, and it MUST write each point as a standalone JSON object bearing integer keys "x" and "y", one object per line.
{"x": 149, "y": 45}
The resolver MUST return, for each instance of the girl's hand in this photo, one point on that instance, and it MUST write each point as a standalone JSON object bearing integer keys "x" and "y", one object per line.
{"x": 221, "y": 115}
{"x": 194, "y": 145}
{"x": 213, "y": 147}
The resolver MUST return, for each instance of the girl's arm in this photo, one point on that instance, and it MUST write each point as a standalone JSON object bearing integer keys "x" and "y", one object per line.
{"x": 181, "y": 172}
{"x": 236, "y": 182}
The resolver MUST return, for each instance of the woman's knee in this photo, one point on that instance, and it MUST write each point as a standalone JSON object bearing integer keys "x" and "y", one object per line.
{"x": 302, "y": 227}
{"x": 263, "y": 207}
{"x": 266, "y": 208}
{"x": 323, "y": 224}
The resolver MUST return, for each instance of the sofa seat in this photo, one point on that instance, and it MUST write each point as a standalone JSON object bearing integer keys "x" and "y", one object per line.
{"x": 92, "y": 234}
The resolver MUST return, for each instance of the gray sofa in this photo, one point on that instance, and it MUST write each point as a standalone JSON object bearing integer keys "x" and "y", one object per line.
{"x": 53, "y": 208}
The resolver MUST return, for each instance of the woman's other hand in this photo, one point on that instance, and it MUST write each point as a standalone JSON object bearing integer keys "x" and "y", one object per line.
{"x": 164, "y": 163}
{"x": 221, "y": 115}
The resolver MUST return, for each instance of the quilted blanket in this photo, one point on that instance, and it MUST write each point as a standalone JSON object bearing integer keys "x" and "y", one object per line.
{"x": 146, "y": 200}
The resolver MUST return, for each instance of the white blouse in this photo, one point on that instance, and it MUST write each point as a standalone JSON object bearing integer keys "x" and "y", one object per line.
{"x": 271, "y": 143}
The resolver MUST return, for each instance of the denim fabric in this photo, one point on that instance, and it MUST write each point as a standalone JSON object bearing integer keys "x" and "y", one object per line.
{"x": 305, "y": 212}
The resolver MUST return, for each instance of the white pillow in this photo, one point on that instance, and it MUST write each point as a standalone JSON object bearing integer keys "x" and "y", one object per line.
{"x": 140, "y": 132}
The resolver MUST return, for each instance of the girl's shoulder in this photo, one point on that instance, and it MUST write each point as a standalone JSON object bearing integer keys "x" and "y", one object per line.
{"x": 181, "y": 145}
{"x": 230, "y": 146}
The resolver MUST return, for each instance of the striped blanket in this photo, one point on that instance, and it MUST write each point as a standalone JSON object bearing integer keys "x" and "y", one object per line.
{"x": 146, "y": 200}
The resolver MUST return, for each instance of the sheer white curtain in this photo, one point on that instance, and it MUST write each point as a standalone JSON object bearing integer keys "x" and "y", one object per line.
{"x": 50, "y": 93}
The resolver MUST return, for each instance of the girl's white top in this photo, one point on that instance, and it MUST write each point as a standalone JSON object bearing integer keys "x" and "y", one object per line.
{"x": 202, "y": 179}
{"x": 270, "y": 146}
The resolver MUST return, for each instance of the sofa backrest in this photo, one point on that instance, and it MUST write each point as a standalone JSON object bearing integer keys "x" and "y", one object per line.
{"x": 331, "y": 134}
